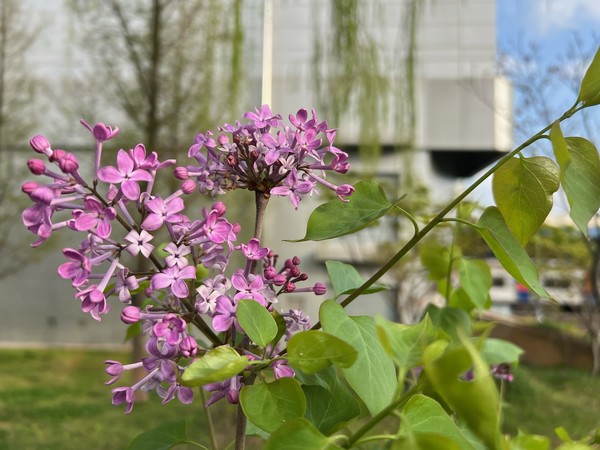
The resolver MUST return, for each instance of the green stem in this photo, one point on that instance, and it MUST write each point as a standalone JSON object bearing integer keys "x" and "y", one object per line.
{"x": 378, "y": 437}
{"x": 441, "y": 215}
{"x": 209, "y": 421}
{"x": 353, "y": 439}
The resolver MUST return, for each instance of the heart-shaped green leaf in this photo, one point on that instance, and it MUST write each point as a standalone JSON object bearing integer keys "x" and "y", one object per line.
{"x": 337, "y": 218}
{"x": 523, "y": 189}
{"x": 345, "y": 279}
{"x": 312, "y": 351}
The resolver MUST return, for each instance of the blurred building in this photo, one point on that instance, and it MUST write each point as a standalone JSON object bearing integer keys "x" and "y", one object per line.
{"x": 463, "y": 122}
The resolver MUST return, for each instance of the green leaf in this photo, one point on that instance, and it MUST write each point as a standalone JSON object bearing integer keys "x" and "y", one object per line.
{"x": 345, "y": 279}
{"x": 475, "y": 278}
{"x": 329, "y": 409}
{"x": 133, "y": 330}
{"x": 312, "y": 351}
{"x": 436, "y": 259}
{"x": 164, "y": 437}
{"x": 476, "y": 401}
{"x": 281, "y": 325}
{"x": 425, "y": 415}
{"x": 218, "y": 364}
{"x": 268, "y": 405}
{"x": 405, "y": 343}
{"x": 451, "y": 320}
{"x": 496, "y": 351}
{"x": 336, "y": 218}
{"x": 579, "y": 174}
{"x": 509, "y": 252}
{"x": 257, "y": 322}
{"x": 589, "y": 93}
{"x": 372, "y": 376}
{"x": 299, "y": 434}
{"x": 529, "y": 442}
{"x": 523, "y": 189}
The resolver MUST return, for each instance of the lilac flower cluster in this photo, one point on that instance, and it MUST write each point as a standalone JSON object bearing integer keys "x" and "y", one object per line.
{"x": 189, "y": 282}
{"x": 267, "y": 156}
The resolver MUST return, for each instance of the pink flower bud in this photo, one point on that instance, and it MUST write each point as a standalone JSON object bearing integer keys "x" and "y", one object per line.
{"x": 181, "y": 173}
{"x": 188, "y": 186}
{"x": 222, "y": 139}
{"x": 279, "y": 280}
{"x": 29, "y": 186}
{"x": 302, "y": 277}
{"x": 131, "y": 314}
{"x": 68, "y": 163}
{"x": 36, "y": 166}
{"x": 295, "y": 260}
{"x": 319, "y": 289}
{"x": 57, "y": 155}
{"x": 270, "y": 273}
{"x": 40, "y": 144}
{"x": 188, "y": 346}
{"x": 289, "y": 287}
{"x": 103, "y": 133}
{"x": 220, "y": 208}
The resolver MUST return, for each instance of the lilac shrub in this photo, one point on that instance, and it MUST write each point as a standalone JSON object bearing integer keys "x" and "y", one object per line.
{"x": 189, "y": 286}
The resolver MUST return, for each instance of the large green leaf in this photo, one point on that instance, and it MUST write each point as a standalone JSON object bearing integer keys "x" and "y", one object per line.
{"x": 589, "y": 93}
{"x": 405, "y": 343}
{"x": 256, "y": 321}
{"x": 164, "y": 437}
{"x": 424, "y": 441}
{"x": 218, "y": 364}
{"x": 313, "y": 350}
{"x": 268, "y": 405}
{"x": 476, "y": 401}
{"x": 372, "y": 376}
{"x": 425, "y": 415}
{"x": 345, "y": 279}
{"x": 336, "y": 218}
{"x": 330, "y": 408}
{"x": 475, "y": 279}
{"x": 509, "y": 252}
{"x": 299, "y": 434}
{"x": 579, "y": 174}
{"x": 523, "y": 189}
{"x": 496, "y": 351}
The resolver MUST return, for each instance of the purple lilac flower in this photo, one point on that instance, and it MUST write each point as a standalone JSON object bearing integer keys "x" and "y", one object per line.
{"x": 229, "y": 389}
{"x": 224, "y": 317}
{"x": 162, "y": 211}
{"x": 124, "y": 284}
{"x": 98, "y": 217}
{"x": 175, "y": 278}
{"x": 125, "y": 174}
{"x": 253, "y": 251}
{"x": 177, "y": 255}
{"x": 77, "y": 270}
{"x": 139, "y": 243}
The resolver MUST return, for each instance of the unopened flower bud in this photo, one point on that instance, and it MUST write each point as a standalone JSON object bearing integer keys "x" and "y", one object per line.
{"x": 131, "y": 314}
{"x": 289, "y": 287}
{"x": 188, "y": 186}
{"x": 270, "y": 273}
{"x": 220, "y": 208}
{"x": 68, "y": 163}
{"x": 103, "y": 133}
{"x": 222, "y": 139}
{"x": 319, "y": 289}
{"x": 279, "y": 280}
{"x": 301, "y": 277}
{"x": 236, "y": 228}
{"x": 232, "y": 160}
{"x": 296, "y": 261}
{"x": 181, "y": 173}
{"x": 294, "y": 271}
{"x": 114, "y": 369}
{"x": 57, "y": 155}
{"x": 29, "y": 186}
{"x": 40, "y": 144}
{"x": 188, "y": 346}
{"x": 36, "y": 166}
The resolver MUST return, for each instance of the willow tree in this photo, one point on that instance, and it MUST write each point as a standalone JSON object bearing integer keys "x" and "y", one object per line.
{"x": 17, "y": 119}
{"x": 172, "y": 68}
{"x": 355, "y": 77}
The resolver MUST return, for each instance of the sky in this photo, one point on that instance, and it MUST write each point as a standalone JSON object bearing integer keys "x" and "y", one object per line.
{"x": 556, "y": 27}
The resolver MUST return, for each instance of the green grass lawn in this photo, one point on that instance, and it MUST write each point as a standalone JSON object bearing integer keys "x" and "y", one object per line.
{"x": 542, "y": 399}
{"x": 56, "y": 399}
